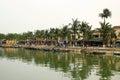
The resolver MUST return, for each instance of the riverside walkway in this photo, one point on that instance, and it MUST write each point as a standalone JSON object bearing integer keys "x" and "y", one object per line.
{"x": 77, "y": 49}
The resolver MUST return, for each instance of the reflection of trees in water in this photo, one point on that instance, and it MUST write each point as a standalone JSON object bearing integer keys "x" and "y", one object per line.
{"x": 21, "y": 54}
{"x": 105, "y": 68}
{"x": 82, "y": 68}
{"x": 79, "y": 66}
{"x": 54, "y": 60}
{"x": 104, "y": 65}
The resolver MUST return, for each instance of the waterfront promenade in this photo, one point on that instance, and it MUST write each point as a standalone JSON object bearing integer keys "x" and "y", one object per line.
{"x": 76, "y": 49}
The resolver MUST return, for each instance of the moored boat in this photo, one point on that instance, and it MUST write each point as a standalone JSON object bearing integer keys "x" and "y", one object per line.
{"x": 116, "y": 53}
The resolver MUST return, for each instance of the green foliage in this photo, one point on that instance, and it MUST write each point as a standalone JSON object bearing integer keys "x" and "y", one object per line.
{"x": 85, "y": 29}
{"x": 11, "y": 36}
{"x": 75, "y": 26}
{"x": 40, "y": 34}
{"x": 52, "y": 33}
{"x": 106, "y": 13}
{"x": 65, "y": 32}
{"x": 2, "y": 36}
{"x": 106, "y": 31}
{"x": 27, "y": 35}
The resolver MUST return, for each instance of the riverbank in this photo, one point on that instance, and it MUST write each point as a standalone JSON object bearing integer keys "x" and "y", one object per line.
{"x": 76, "y": 49}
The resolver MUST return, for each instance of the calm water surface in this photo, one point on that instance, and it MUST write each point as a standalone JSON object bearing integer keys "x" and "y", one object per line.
{"x": 21, "y": 64}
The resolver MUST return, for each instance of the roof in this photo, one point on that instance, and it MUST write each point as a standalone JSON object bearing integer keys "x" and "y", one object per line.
{"x": 96, "y": 39}
{"x": 93, "y": 39}
{"x": 116, "y": 27}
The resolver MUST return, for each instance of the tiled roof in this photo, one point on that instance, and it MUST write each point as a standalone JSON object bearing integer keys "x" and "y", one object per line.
{"x": 116, "y": 27}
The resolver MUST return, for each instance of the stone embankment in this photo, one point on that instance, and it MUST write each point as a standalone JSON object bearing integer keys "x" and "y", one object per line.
{"x": 101, "y": 50}
{"x": 77, "y": 49}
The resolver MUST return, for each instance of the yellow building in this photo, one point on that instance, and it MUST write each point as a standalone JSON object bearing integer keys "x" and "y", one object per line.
{"x": 10, "y": 42}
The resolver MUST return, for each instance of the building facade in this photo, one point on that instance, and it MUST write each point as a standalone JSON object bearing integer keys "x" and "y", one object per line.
{"x": 117, "y": 31}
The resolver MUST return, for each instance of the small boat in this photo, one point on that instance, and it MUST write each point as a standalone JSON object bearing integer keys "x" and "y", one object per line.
{"x": 98, "y": 53}
{"x": 116, "y": 53}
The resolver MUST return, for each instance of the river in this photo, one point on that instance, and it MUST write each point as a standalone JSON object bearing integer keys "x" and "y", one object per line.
{"x": 22, "y": 64}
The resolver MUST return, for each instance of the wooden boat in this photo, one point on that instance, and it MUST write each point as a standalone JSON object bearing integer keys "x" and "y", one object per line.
{"x": 116, "y": 53}
{"x": 98, "y": 52}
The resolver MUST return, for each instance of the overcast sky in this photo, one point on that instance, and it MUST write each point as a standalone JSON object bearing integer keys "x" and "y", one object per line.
{"x": 17, "y": 16}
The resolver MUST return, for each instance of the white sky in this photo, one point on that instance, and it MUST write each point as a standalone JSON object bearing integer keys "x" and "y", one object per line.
{"x": 17, "y": 16}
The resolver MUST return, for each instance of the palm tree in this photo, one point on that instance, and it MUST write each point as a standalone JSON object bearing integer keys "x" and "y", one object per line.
{"x": 85, "y": 29}
{"x": 37, "y": 34}
{"x": 10, "y": 36}
{"x": 57, "y": 33}
{"x": 52, "y": 33}
{"x": 105, "y": 32}
{"x": 105, "y": 27}
{"x": 106, "y": 13}
{"x": 46, "y": 34}
{"x": 40, "y": 34}
{"x": 75, "y": 25}
{"x": 65, "y": 32}
{"x": 30, "y": 34}
{"x": 2, "y": 36}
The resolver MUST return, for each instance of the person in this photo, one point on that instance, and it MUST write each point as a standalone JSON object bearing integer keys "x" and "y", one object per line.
{"x": 66, "y": 43}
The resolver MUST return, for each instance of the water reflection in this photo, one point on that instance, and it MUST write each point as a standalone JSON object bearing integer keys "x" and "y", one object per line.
{"x": 75, "y": 66}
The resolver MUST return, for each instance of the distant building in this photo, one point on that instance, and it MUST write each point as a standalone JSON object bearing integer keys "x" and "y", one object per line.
{"x": 96, "y": 34}
{"x": 117, "y": 31}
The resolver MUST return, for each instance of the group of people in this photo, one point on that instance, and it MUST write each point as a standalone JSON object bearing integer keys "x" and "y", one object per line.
{"x": 62, "y": 43}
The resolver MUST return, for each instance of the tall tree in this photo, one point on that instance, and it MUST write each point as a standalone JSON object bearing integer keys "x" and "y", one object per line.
{"x": 85, "y": 29}
{"x": 75, "y": 26}
{"x": 2, "y": 36}
{"x": 52, "y": 33}
{"x": 57, "y": 33}
{"x": 46, "y": 34}
{"x": 10, "y": 36}
{"x": 74, "y": 29}
{"x": 39, "y": 34}
{"x": 105, "y": 27}
{"x": 105, "y": 14}
{"x": 105, "y": 32}
{"x": 65, "y": 32}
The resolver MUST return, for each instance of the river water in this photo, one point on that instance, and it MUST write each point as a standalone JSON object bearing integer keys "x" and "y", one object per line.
{"x": 21, "y": 64}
